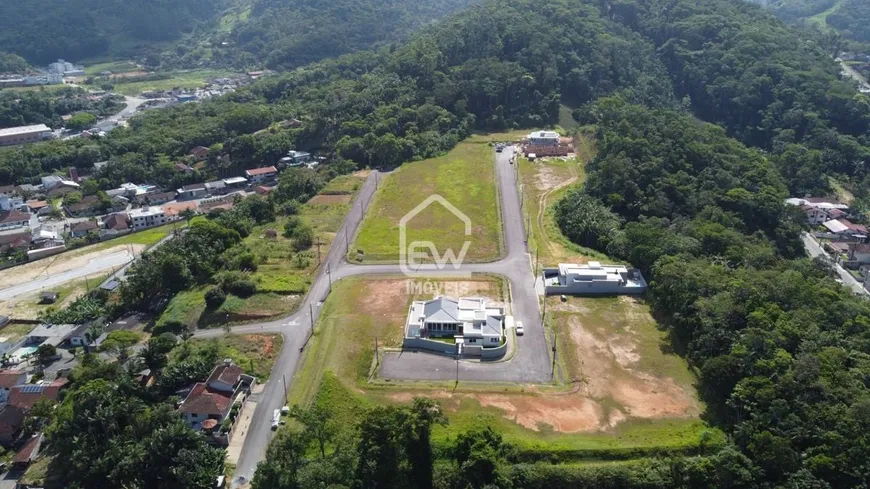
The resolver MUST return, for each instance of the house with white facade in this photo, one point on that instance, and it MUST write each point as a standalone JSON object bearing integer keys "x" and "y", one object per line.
{"x": 593, "y": 278}
{"x": 819, "y": 209}
{"x": 259, "y": 175}
{"x": 472, "y": 321}
{"x": 147, "y": 217}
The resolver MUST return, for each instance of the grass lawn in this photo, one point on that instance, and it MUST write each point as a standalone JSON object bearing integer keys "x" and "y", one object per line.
{"x": 179, "y": 79}
{"x": 283, "y": 275}
{"x": 113, "y": 66}
{"x": 12, "y": 333}
{"x": 256, "y": 353}
{"x": 145, "y": 237}
{"x": 465, "y": 177}
{"x": 544, "y": 182}
{"x": 36, "y": 472}
{"x": 821, "y": 18}
{"x": 566, "y": 423}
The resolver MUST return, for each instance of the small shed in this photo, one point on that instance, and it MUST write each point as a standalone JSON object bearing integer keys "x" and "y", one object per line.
{"x": 271, "y": 233}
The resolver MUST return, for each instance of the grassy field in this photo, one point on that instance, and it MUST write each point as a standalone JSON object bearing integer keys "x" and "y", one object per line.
{"x": 821, "y": 19}
{"x": 465, "y": 177}
{"x": 145, "y": 237}
{"x": 179, "y": 79}
{"x": 544, "y": 182}
{"x": 283, "y": 275}
{"x": 568, "y": 422}
{"x": 113, "y": 66}
{"x": 256, "y": 353}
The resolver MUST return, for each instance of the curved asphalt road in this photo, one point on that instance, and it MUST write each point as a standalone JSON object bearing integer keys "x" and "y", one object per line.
{"x": 530, "y": 363}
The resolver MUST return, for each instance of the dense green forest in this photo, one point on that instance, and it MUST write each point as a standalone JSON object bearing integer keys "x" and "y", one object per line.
{"x": 282, "y": 34}
{"x": 18, "y": 109}
{"x": 482, "y": 69}
{"x": 12, "y": 63}
{"x": 852, "y": 19}
{"x": 41, "y": 32}
{"x": 781, "y": 347}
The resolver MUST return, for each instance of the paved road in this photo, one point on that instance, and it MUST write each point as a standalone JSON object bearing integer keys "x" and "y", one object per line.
{"x": 814, "y": 249}
{"x": 96, "y": 265}
{"x": 531, "y": 362}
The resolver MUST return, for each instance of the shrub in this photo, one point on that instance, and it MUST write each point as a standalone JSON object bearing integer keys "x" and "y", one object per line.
{"x": 290, "y": 227}
{"x": 215, "y": 297}
{"x": 303, "y": 237}
{"x": 171, "y": 326}
{"x": 242, "y": 288}
{"x": 290, "y": 208}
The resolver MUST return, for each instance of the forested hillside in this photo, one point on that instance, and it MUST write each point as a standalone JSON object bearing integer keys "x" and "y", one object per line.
{"x": 74, "y": 29}
{"x": 282, "y": 34}
{"x": 495, "y": 66}
{"x": 850, "y": 18}
{"x": 765, "y": 84}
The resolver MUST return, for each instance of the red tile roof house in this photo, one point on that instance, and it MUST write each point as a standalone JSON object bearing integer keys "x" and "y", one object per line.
{"x": 258, "y": 175}
{"x": 29, "y": 452}
{"x": 11, "y": 421}
{"x": 25, "y": 396}
{"x": 213, "y": 399}
{"x": 199, "y": 152}
{"x": 8, "y": 380}
{"x": 115, "y": 224}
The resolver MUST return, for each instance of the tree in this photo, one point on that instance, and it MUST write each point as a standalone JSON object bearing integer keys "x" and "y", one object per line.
{"x": 215, "y": 297}
{"x": 81, "y": 121}
{"x": 299, "y": 184}
{"x": 284, "y": 459}
{"x": 45, "y": 353}
{"x": 317, "y": 425}
{"x": 118, "y": 342}
{"x": 187, "y": 214}
{"x": 303, "y": 237}
{"x": 479, "y": 454}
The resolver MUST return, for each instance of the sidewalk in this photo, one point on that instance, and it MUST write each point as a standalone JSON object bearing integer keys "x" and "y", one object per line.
{"x": 240, "y": 430}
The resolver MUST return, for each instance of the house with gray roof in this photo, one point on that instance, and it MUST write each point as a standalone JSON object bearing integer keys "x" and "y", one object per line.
{"x": 472, "y": 321}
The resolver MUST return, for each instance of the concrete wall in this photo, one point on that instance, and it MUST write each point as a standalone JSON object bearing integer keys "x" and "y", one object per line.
{"x": 593, "y": 288}
{"x": 448, "y": 349}
{"x": 43, "y": 252}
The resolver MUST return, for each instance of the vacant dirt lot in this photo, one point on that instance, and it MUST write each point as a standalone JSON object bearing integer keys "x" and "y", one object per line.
{"x": 57, "y": 264}
{"x": 614, "y": 361}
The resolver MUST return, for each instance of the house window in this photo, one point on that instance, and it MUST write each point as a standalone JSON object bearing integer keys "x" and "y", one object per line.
{"x": 194, "y": 415}
{"x": 493, "y": 340}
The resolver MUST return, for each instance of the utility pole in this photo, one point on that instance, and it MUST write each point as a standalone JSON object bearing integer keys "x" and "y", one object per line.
{"x": 284, "y": 380}
{"x": 544, "y": 314}
{"x": 87, "y": 284}
{"x": 377, "y": 360}
{"x": 346, "y": 242}
{"x": 528, "y": 226}
{"x": 318, "y": 243}
{"x": 537, "y": 249}
{"x": 553, "y": 371}
{"x": 329, "y": 275}
{"x": 311, "y": 316}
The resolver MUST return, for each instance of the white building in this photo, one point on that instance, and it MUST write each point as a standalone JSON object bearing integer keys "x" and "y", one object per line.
{"x": 147, "y": 217}
{"x": 819, "y": 210}
{"x": 259, "y": 175}
{"x": 24, "y": 134}
{"x": 9, "y": 202}
{"x": 471, "y": 321}
{"x": 544, "y": 138}
{"x": 593, "y": 278}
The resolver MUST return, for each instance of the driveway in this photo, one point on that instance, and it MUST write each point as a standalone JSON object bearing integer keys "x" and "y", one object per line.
{"x": 814, "y": 249}
{"x": 530, "y": 363}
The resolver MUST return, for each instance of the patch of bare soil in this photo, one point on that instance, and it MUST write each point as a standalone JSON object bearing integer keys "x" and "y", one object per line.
{"x": 330, "y": 199}
{"x": 563, "y": 414}
{"x": 53, "y": 265}
{"x": 547, "y": 178}
{"x": 385, "y": 297}
{"x": 362, "y": 173}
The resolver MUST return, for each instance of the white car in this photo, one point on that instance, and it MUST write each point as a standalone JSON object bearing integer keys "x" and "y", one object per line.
{"x": 276, "y": 419}
{"x": 519, "y": 328}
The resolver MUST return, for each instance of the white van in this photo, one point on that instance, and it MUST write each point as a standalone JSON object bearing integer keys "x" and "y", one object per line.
{"x": 276, "y": 419}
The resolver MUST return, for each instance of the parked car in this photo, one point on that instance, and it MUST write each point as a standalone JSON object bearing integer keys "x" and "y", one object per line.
{"x": 276, "y": 419}
{"x": 519, "y": 328}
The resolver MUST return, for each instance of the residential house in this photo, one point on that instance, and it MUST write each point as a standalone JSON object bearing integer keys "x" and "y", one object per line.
{"x": 25, "y": 396}
{"x": 819, "y": 209}
{"x": 846, "y": 230}
{"x": 859, "y": 252}
{"x": 89, "y": 205}
{"x": 46, "y": 239}
{"x": 157, "y": 198}
{"x": 18, "y": 238}
{"x": 291, "y": 123}
{"x": 470, "y": 321}
{"x": 10, "y": 202}
{"x": 193, "y": 191}
{"x": 11, "y": 421}
{"x": 214, "y": 398}
{"x": 296, "y": 158}
{"x": 8, "y": 190}
{"x": 216, "y": 187}
{"x": 147, "y": 217}
{"x": 182, "y": 168}
{"x": 14, "y": 219}
{"x": 82, "y": 229}
{"x": 199, "y": 153}
{"x": 53, "y": 334}
{"x": 115, "y": 224}
{"x": 593, "y": 278}
{"x": 260, "y": 175}
{"x": 40, "y": 207}
{"x": 28, "y": 453}
{"x": 8, "y": 380}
